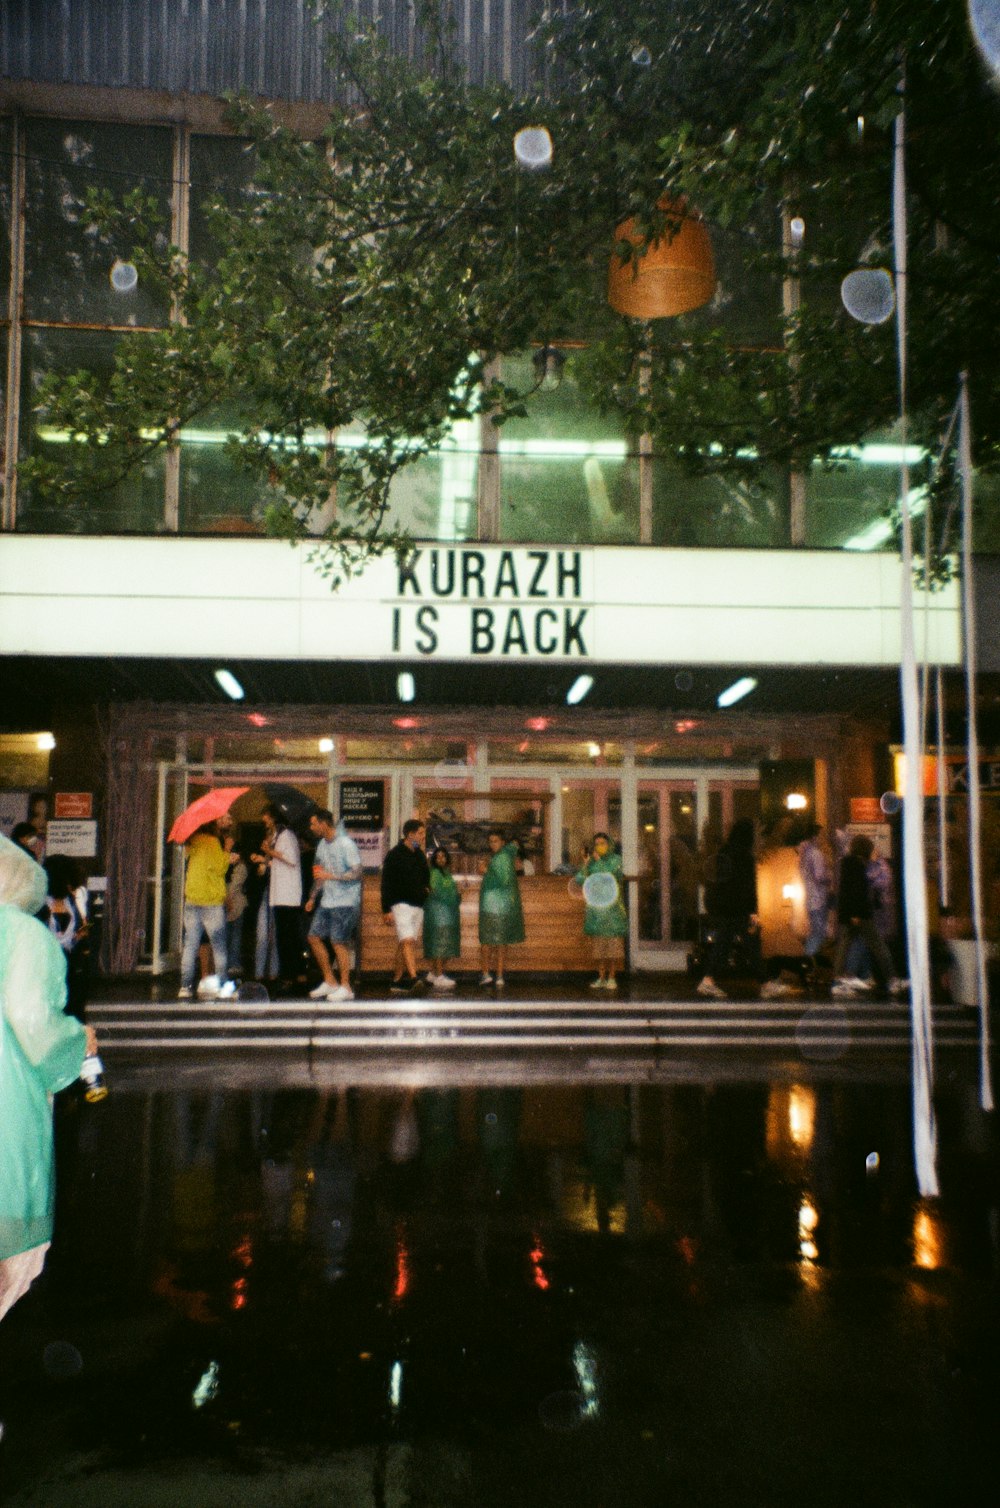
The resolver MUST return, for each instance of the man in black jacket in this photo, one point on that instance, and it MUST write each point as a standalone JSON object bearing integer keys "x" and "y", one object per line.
{"x": 405, "y": 883}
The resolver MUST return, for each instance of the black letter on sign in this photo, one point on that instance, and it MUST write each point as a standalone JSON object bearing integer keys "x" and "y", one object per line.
{"x": 482, "y": 630}
{"x": 472, "y": 570}
{"x": 514, "y": 633}
{"x": 541, "y": 559}
{"x": 436, "y": 587}
{"x": 569, "y": 573}
{"x": 427, "y": 616}
{"x": 395, "y": 630}
{"x": 572, "y": 624}
{"x": 407, "y": 573}
{"x": 506, "y": 575}
{"x": 549, "y": 646}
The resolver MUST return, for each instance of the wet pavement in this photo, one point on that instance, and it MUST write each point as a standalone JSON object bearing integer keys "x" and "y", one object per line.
{"x": 546, "y": 1287}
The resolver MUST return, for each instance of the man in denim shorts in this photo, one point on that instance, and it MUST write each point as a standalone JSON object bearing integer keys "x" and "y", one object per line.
{"x": 337, "y": 886}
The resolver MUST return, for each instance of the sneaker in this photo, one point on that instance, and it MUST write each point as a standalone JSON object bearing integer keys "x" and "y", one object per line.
{"x": 399, "y": 987}
{"x": 228, "y": 990}
{"x": 774, "y": 989}
{"x": 209, "y": 987}
{"x": 597, "y": 984}
{"x": 340, "y": 992}
{"x": 610, "y": 984}
{"x": 432, "y": 980}
{"x": 442, "y": 982}
{"x": 322, "y": 991}
{"x": 861, "y": 984}
{"x": 500, "y": 982}
{"x": 486, "y": 979}
{"x": 711, "y": 989}
{"x": 185, "y": 992}
{"x": 844, "y": 988}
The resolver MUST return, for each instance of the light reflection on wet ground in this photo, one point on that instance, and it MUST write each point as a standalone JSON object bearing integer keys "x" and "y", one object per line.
{"x": 547, "y": 1293}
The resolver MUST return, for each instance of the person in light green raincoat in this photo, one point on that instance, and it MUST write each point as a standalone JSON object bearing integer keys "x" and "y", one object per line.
{"x": 41, "y": 1050}
{"x": 501, "y": 920}
{"x": 606, "y": 926}
{"x": 442, "y": 920}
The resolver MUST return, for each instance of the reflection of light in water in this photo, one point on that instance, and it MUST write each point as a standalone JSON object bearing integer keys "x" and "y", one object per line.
{"x": 402, "y": 1283}
{"x": 801, "y": 1115}
{"x": 395, "y": 1385}
{"x": 928, "y": 1238}
{"x": 537, "y": 1257}
{"x": 808, "y": 1221}
{"x": 585, "y": 1364}
{"x": 208, "y": 1386}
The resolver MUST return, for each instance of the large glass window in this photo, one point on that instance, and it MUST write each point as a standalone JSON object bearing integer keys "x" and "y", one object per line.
{"x": 135, "y": 504}
{"x": 67, "y": 265}
{"x": 568, "y": 474}
{"x": 221, "y": 166}
{"x": 725, "y": 511}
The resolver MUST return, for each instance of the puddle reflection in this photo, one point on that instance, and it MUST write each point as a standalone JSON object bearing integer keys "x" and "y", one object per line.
{"x": 305, "y": 1269}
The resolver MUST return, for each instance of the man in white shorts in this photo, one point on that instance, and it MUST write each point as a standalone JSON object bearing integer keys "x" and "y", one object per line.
{"x": 337, "y": 887}
{"x": 406, "y": 881}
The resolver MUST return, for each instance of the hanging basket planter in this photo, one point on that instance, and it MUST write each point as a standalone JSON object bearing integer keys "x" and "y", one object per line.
{"x": 674, "y": 274}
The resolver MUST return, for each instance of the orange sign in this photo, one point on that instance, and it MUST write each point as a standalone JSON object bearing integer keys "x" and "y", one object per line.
{"x": 866, "y": 809}
{"x": 74, "y": 804}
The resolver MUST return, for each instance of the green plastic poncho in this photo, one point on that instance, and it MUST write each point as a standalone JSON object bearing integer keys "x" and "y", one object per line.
{"x": 41, "y": 1050}
{"x": 442, "y": 917}
{"x": 501, "y": 920}
{"x": 605, "y": 921}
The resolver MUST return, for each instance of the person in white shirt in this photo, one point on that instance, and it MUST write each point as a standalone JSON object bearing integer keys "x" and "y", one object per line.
{"x": 280, "y": 854}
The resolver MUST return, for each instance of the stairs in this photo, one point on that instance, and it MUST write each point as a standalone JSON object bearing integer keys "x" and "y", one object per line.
{"x": 813, "y": 1029}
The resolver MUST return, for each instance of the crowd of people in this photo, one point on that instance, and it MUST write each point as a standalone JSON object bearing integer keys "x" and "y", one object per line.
{"x": 307, "y": 902}
{"x": 849, "y": 905}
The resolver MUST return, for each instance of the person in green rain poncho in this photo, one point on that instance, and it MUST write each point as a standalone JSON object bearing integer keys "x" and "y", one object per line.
{"x": 442, "y": 920}
{"x": 606, "y": 926}
{"x": 41, "y": 1050}
{"x": 501, "y": 920}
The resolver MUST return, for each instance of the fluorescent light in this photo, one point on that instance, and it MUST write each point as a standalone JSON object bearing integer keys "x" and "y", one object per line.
{"x": 326, "y": 746}
{"x": 45, "y": 742}
{"x": 406, "y": 686}
{"x": 736, "y": 691}
{"x": 230, "y": 684}
{"x": 796, "y": 802}
{"x": 579, "y": 689}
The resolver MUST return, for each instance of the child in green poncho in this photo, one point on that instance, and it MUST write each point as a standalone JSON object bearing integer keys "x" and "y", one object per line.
{"x": 442, "y": 920}
{"x": 606, "y": 926}
{"x": 501, "y": 920}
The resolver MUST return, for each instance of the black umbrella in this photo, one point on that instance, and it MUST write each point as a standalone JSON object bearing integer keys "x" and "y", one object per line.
{"x": 294, "y": 805}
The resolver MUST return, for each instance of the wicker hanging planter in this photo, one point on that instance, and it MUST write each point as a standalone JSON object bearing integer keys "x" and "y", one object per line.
{"x": 674, "y": 274}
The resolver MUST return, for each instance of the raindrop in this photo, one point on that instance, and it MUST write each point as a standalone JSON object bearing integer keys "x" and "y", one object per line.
{"x": 890, "y": 803}
{"x": 796, "y": 230}
{"x": 61, "y": 1360}
{"x": 684, "y": 680}
{"x": 868, "y": 295}
{"x": 871, "y": 1162}
{"x": 984, "y": 18}
{"x": 642, "y": 57}
{"x": 533, "y": 148}
{"x": 124, "y": 276}
{"x": 491, "y": 1119}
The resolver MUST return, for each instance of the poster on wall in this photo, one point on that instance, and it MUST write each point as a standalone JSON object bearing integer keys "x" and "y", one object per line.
{"x": 13, "y": 809}
{"x": 362, "y": 808}
{"x": 75, "y": 837}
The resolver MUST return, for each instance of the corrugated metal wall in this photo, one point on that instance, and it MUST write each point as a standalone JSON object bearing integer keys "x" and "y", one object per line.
{"x": 273, "y": 48}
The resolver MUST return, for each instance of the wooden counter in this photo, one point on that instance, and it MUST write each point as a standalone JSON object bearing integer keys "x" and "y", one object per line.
{"x": 553, "y": 926}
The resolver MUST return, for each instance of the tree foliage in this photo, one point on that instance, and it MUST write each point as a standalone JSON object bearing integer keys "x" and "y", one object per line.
{"x": 376, "y": 274}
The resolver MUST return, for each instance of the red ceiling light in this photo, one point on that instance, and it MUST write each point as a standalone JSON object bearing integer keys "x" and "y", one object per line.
{"x": 258, "y": 719}
{"x": 538, "y": 724}
{"x": 406, "y": 722}
{"x": 685, "y": 725}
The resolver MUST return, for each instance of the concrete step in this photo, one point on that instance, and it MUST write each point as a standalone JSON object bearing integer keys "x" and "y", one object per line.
{"x": 447, "y": 1023}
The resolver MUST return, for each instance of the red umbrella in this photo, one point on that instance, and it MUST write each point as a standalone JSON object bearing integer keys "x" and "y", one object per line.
{"x": 205, "y": 809}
